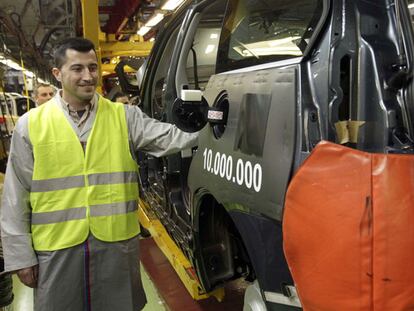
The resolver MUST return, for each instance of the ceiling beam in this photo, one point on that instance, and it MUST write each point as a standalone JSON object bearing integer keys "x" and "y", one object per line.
{"x": 123, "y": 10}
{"x": 125, "y": 48}
{"x": 107, "y": 9}
{"x": 91, "y": 28}
{"x": 25, "y": 7}
{"x": 110, "y": 69}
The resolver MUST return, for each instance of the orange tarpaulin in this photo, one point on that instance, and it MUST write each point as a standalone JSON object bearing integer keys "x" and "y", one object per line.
{"x": 348, "y": 230}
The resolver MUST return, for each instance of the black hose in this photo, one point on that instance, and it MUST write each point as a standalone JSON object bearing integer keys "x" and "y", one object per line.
{"x": 196, "y": 85}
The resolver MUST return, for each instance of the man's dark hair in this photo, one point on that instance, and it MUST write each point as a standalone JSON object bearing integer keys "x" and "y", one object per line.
{"x": 74, "y": 43}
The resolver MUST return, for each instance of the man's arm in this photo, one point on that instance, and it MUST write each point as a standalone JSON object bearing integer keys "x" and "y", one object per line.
{"x": 155, "y": 137}
{"x": 15, "y": 212}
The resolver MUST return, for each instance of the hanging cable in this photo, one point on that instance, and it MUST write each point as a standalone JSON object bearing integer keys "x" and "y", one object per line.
{"x": 2, "y": 136}
{"x": 24, "y": 81}
{"x": 2, "y": 108}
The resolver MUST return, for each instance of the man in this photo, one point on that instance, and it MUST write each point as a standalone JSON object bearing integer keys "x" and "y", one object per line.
{"x": 69, "y": 221}
{"x": 42, "y": 93}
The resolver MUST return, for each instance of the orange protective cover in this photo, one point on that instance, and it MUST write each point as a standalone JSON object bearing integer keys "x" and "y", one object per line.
{"x": 348, "y": 233}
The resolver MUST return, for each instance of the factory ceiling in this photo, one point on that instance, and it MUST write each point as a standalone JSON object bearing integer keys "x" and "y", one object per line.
{"x": 29, "y": 29}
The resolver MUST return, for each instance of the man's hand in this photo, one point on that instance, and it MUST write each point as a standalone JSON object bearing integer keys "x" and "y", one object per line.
{"x": 28, "y": 276}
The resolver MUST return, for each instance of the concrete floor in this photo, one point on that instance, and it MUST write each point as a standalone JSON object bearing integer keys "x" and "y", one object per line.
{"x": 23, "y": 295}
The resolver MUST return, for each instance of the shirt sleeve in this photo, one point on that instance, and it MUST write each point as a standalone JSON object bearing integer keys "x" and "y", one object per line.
{"x": 155, "y": 137}
{"x": 15, "y": 211}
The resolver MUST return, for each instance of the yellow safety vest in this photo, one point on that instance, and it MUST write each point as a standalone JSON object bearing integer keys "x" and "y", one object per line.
{"x": 74, "y": 192}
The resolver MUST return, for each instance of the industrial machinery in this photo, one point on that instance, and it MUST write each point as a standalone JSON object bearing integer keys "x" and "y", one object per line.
{"x": 302, "y": 179}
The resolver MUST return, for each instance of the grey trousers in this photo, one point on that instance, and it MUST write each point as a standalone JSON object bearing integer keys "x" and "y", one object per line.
{"x": 92, "y": 276}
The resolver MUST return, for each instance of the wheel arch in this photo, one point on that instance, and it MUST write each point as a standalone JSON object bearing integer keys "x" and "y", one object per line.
{"x": 256, "y": 244}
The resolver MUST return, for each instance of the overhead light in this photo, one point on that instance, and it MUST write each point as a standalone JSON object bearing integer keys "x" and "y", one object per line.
{"x": 10, "y": 63}
{"x": 213, "y": 36}
{"x": 271, "y": 47}
{"x": 210, "y": 48}
{"x": 143, "y": 30}
{"x": 171, "y": 5}
{"x": 411, "y": 6}
{"x": 155, "y": 20}
{"x": 29, "y": 73}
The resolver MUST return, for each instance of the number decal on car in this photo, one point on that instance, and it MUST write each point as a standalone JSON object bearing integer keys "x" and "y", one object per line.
{"x": 236, "y": 171}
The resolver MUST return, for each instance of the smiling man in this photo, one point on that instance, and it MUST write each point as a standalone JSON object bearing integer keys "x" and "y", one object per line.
{"x": 69, "y": 212}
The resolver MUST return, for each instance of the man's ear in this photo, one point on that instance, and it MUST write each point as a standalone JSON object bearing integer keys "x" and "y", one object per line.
{"x": 56, "y": 72}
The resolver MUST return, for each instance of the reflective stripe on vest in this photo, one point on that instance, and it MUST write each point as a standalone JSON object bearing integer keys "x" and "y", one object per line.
{"x": 57, "y": 183}
{"x": 75, "y": 192}
{"x": 58, "y": 216}
{"x": 79, "y": 181}
{"x": 80, "y": 212}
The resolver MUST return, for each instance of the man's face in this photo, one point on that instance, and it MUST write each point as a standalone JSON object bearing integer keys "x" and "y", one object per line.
{"x": 44, "y": 93}
{"x": 79, "y": 76}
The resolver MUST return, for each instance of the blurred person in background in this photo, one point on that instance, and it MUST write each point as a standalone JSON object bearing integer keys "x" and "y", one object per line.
{"x": 121, "y": 98}
{"x": 42, "y": 93}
